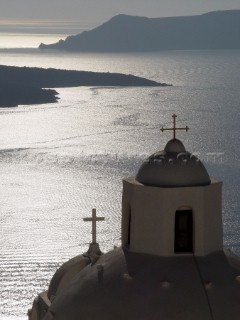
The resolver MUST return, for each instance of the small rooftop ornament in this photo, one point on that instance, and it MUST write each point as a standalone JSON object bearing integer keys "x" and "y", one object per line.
{"x": 174, "y": 129}
{"x": 94, "y": 220}
{"x": 94, "y": 251}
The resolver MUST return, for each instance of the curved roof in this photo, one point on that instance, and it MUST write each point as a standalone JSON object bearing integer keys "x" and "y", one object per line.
{"x": 173, "y": 167}
{"x": 137, "y": 286}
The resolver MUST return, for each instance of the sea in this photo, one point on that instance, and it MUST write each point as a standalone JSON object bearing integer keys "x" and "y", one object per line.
{"x": 58, "y": 161}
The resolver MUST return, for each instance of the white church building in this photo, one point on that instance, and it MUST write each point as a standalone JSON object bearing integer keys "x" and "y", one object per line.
{"x": 172, "y": 264}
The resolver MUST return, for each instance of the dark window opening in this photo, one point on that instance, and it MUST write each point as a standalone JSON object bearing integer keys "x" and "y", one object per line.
{"x": 183, "y": 231}
{"x": 129, "y": 228}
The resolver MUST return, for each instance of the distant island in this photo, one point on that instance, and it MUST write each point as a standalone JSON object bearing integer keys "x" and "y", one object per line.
{"x": 124, "y": 33}
{"x": 23, "y": 85}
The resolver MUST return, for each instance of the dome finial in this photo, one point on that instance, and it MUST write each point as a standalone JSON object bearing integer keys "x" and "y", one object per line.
{"x": 94, "y": 219}
{"x": 174, "y": 129}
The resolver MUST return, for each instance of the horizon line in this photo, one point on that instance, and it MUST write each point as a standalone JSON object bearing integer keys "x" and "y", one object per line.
{"x": 56, "y": 22}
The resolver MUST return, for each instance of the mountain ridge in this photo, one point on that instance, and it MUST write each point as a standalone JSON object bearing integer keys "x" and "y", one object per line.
{"x": 126, "y": 33}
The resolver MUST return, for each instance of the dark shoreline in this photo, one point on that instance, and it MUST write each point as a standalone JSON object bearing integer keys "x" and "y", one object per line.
{"x": 12, "y": 95}
{"x": 24, "y": 85}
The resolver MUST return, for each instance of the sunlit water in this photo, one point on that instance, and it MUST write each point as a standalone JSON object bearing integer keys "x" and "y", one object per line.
{"x": 14, "y": 40}
{"x": 58, "y": 161}
{"x": 18, "y": 35}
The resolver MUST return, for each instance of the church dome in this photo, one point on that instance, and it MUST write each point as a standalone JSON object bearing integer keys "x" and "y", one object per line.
{"x": 174, "y": 145}
{"x": 173, "y": 167}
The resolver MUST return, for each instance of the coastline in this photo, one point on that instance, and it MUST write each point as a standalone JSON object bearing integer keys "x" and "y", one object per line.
{"x": 24, "y": 85}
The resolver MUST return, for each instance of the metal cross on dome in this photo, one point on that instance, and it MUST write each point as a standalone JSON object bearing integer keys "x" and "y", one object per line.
{"x": 94, "y": 220}
{"x": 174, "y": 129}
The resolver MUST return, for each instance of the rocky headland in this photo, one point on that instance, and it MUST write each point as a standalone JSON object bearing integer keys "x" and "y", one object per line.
{"x": 23, "y": 85}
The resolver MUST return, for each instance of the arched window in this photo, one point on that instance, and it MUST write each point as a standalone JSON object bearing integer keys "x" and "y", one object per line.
{"x": 129, "y": 227}
{"x": 126, "y": 224}
{"x": 183, "y": 231}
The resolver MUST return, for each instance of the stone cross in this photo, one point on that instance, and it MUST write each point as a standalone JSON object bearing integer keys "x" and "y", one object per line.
{"x": 94, "y": 220}
{"x": 174, "y": 129}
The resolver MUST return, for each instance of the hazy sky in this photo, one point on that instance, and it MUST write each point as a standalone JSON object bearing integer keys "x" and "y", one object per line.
{"x": 97, "y": 11}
